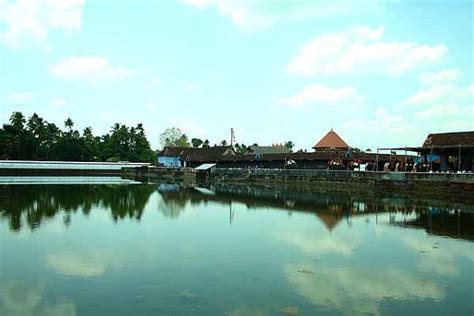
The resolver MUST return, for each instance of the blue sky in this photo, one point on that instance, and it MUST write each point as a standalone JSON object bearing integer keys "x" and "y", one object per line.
{"x": 381, "y": 73}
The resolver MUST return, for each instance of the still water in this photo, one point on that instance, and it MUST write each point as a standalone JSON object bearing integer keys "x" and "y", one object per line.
{"x": 122, "y": 248}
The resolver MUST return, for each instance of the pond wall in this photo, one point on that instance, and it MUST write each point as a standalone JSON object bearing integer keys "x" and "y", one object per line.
{"x": 457, "y": 185}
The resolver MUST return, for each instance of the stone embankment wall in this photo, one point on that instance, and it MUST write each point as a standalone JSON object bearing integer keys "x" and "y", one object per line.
{"x": 424, "y": 183}
{"x": 160, "y": 174}
{"x": 340, "y": 175}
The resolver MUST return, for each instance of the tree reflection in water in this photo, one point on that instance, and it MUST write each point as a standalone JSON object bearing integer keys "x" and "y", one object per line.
{"x": 31, "y": 204}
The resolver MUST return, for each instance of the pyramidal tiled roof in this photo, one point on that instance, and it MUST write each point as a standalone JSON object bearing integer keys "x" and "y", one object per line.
{"x": 331, "y": 140}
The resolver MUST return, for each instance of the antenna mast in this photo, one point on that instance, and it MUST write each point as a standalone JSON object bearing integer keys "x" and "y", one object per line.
{"x": 232, "y": 137}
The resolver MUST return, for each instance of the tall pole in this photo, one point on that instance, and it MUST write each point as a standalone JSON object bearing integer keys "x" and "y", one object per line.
{"x": 431, "y": 159}
{"x": 232, "y": 137}
{"x": 459, "y": 159}
{"x": 377, "y": 160}
{"x": 406, "y": 159}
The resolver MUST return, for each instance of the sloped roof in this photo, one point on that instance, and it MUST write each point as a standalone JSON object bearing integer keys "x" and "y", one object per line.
{"x": 197, "y": 154}
{"x": 206, "y": 166}
{"x": 265, "y": 150}
{"x": 222, "y": 153}
{"x": 331, "y": 140}
{"x": 329, "y": 220}
{"x": 450, "y": 139}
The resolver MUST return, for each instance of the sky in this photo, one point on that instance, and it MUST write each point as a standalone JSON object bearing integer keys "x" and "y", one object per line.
{"x": 379, "y": 72}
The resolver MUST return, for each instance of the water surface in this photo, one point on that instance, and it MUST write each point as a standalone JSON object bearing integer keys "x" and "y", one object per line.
{"x": 123, "y": 248}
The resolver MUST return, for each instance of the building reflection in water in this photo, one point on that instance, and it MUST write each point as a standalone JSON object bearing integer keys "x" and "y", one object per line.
{"x": 29, "y": 205}
{"x": 331, "y": 208}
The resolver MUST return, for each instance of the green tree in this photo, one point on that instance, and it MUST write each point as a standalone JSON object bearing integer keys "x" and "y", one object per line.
{"x": 174, "y": 137}
{"x": 196, "y": 142}
{"x": 17, "y": 120}
{"x": 69, "y": 123}
{"x": 37, "y": 128}
{"x": 35, "y": 138}
{"x": 240, "y": 148}
{"x": 290, "y": 145}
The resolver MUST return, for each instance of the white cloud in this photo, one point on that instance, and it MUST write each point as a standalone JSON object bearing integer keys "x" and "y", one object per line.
{"x": 88, "y": 68}
{"x": 257, "y": 14}
{"x": 444, "y": 111}
{"x": 193, "y": 86}
{"x": 33, "y": 19}
{"x": 318, "y": 93}
{"x": 21, "y": 96}
{"x": 361, "y": 49}
{"x": 440, "y": 77}
{"x": 441, "y": 104}
{"x": 441, "y": 94}
{"x": 151, "y": 106}
{"x": 154, "y": 83}
{"x": 383, "y": 126}
{"x": 59, "y": 103}
{"x": 188, "y": 126}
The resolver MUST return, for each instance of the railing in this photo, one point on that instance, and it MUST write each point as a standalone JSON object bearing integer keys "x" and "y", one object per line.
{"x": 68, "y": 165}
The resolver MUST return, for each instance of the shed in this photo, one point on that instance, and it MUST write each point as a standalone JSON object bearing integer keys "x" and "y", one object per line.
{"x": 205, "y": 167}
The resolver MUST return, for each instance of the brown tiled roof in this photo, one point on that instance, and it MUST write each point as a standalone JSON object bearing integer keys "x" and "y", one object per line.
{"x": 268, "y": 150}
{"x": 318, "y": 155}
{"x": 331, "y": 140}
{"x": 225, "y": 153}
{"x": 197, "y": 154}
{"x": 329, "y": 220}
{"x": 450, "y": 139}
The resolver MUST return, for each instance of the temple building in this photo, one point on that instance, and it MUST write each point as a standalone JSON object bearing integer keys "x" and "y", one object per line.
{"x": 331, "y": 141}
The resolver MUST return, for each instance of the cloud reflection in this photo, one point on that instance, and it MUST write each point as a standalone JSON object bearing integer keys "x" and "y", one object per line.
{"x": 19, "y": 299}
{"x": 90, "y": 265}
{"x": 359, "y": 291}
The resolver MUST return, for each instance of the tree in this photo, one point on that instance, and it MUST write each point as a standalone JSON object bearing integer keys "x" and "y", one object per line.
{"x": 40, "y": 140}
{"x": 196, "y": 142}
{"x": 289, "y": 144}
{"x": 69, "y": 123}
{"x": 174, "y": 137}
{"x": 206, "y": 144}
{"x": 240, "y": 149}
{"x": 223, "y": 143}
{"x": 17, "y": 120}
{"x": 37, "y": 128}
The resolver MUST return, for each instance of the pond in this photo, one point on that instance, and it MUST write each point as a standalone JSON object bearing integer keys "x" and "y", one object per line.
{"x": 125, "y": 248}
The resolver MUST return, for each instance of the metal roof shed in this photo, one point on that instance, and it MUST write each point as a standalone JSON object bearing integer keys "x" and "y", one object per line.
{"x": 205, "y": 167}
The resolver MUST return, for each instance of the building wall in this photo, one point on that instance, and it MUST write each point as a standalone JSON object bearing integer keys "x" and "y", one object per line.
{"x": 169, "y": 161}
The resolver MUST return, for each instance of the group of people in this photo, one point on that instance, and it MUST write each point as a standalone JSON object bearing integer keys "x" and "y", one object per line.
{"x": 394, "y": 165}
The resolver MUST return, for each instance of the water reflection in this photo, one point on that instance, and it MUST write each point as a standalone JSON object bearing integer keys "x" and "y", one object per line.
{"x": 18, "y": 298}
{"x": 234, "y": 250}
{"x": 30, "y": 205}
{"x": 361, "y": 291}
{"x": 331, "y": 208}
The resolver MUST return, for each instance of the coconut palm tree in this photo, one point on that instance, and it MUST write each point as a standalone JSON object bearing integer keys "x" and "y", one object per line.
{"x": 69, "y": 124}
{"x": 17, "y": 120}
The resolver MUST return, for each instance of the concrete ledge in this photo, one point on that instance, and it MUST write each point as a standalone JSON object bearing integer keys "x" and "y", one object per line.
{"x": 343, "y": 175}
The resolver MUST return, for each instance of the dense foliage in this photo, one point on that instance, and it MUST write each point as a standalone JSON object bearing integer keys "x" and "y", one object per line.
{"x": 36, "y": 139}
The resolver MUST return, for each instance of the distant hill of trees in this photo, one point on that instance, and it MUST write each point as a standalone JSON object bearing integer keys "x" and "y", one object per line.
{"x": 36, "y": 139}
